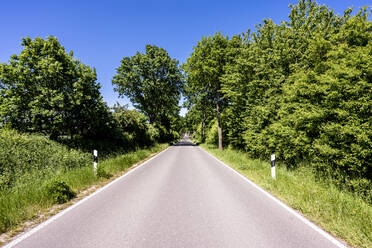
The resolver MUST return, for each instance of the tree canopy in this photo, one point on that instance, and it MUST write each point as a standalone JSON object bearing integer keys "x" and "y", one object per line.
{"x": 204, "y": 69}
{"x": 300, "y": 89}
{"x": 152, "y": 81}
{"x": 45, "y": 90}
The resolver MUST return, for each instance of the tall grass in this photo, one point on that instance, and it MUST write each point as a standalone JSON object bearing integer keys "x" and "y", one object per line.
{"x": 35, "y": 157}
{"x": 340, "y": 213}
{"x": 37, "y": 173}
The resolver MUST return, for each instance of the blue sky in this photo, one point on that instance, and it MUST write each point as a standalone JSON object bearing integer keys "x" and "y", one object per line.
{"x": 101, "y": 33}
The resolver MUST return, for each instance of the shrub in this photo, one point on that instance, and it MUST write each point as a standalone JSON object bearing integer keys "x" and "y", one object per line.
{"x": 23, "y": 153}
{"x": 134, "y": 128}
{"x": 58, "y": 191}
{"x": 212, "y": 133}
{"x": 102, "y": 173}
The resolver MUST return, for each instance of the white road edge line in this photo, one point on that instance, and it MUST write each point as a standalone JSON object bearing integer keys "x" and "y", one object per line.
{"x": 63, "y": 212}
{"x": 289, "y": 209}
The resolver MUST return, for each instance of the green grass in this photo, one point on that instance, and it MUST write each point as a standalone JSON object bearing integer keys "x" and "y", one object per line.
{"x": 339, "y": 213}
{"x": 26, "y": 157}
{"x": 29, "y": 196}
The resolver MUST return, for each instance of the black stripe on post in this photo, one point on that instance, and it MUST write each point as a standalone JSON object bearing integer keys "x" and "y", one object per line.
{"x": 273, "y": 173}
{"x": 95, "y": 161}
{"x": 95, "y": 156}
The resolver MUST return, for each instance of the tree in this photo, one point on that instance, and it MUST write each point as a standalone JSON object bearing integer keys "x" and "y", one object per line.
{"x": 199, "y": 105}
{"x": 204, "y": 69}
{"x": 325, "y": 114}
{"x": 199, "y": 114}
{"x": 301, "y": 89}
{"x": 153, "y": 83}
{"x": 134, "y": 128}
{"x": 43, "y": 89}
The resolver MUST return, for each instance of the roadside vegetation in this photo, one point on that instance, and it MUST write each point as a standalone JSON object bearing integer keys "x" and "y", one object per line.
{"x": 338, "y": 212}
{"x": 52, "y": 117}
{"x": 301, "y": 89}
{"x": 40, "y": 173}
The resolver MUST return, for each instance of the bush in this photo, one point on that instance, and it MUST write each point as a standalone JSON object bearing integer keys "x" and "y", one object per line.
{"x": 102, "y": 173}
{"x": 302, "y": 89}
{"x": 167, "y": 134}
{"x": 212, "y": 133}
{"x": 361, "y": 188}
{"x": 58, "y": 191}
{"x": 198, "y": 133}
{"x": 24, "y": 153}
{"x": 325, "y": 115}
{"x": 134, "y": 128}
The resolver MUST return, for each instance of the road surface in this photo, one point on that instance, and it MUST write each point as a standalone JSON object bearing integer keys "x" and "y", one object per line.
{"x": 181, "y": 198}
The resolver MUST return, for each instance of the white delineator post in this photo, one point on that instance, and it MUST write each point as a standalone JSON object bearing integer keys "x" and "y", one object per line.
{"x": 95, "y": 161}
{"x": 273, "y": 166}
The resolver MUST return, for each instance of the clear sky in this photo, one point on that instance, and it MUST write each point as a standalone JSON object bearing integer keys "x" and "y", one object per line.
{"x": 102, "y": 32}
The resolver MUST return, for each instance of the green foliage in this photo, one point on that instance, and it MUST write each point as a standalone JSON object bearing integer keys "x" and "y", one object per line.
{"x": 101, "y": 172}
{"x": 58, "y": 191}
{"x": 134, "y": 127}
{"x": 325, "y": 115}
{"x": 336, "y": 211}
{"x": 107, "y": 146}
{"x": 43, "y": 89}
{"x": 301, "y": 90}
{"x": 153, "y": 82}
{"x": 33, "y": 194}
{"x": 199, "y": 114}
{"x": 314, "y": 103}
{"x": 127, "y": 130}
{"x": 212, "y": 133}
{"x": 204, "y": 69}
{"x": 24, "y": 154}
{"x": 124, "y": 161}
{"x": 331, "y": 106}
{"x": 197, "y": 133}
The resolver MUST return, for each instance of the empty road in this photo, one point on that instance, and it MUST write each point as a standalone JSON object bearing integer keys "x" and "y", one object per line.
{"x": 181, "y": 198}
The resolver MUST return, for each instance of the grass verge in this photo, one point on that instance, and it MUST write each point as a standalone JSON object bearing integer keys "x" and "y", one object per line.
{"x": 339, "y": 213}
{"x": 32, "y": 198}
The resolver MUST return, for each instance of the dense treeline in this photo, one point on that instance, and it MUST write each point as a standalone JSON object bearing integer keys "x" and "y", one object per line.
{"x": 46, "y": 92}
{"x": 52, "y": 116}
{"x": 301, "y": 89}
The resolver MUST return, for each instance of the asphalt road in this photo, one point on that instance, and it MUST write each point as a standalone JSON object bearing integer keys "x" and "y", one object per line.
{"x": 181, "y": 198}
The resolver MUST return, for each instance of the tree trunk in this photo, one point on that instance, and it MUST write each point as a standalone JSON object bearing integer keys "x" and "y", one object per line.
{"x": 219, "y": 130}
